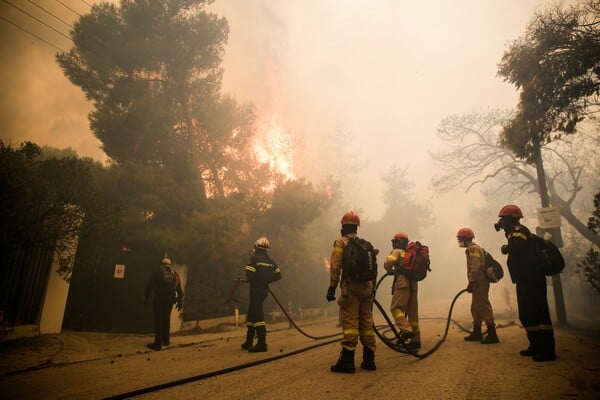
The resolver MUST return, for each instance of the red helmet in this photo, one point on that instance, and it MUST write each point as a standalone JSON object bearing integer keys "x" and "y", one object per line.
{"x": 350, "y": 218}
{"x": 510, "y": 210}
{"x": 400, "y": 235}
{"x": 465, "y": 233}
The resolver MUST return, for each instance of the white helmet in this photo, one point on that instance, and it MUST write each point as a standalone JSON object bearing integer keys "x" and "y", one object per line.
{"x": 165, "y": 261}
{"x": 262, "y": 242}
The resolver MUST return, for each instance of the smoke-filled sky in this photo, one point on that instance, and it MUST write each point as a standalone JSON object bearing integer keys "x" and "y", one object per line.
{"x": 352, "y": 83}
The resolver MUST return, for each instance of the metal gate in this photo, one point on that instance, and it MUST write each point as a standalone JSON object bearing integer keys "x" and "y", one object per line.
{"x": 23, "y": 279}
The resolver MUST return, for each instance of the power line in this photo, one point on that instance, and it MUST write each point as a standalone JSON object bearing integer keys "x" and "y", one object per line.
{"x": 86, "y": 3}
{"x": 67, "y": 7}
{"x": 49, "y": 13}
{"x": 32, "y": 34}
{"x": 38, "y": 20}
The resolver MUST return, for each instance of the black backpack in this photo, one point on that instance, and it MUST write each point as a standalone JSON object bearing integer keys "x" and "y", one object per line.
{"x": 169, "y": 278}
{"x": 359, "y": 261}
{"x": 551, "y": 260}
{"x": 492, "y": 268}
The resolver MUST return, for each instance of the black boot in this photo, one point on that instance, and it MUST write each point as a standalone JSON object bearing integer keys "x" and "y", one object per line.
{"x": 345, "y": 363}
{"x": 544, "y": 348}
{"x": 247, "y": 345}
{"x": 413, "y": 346}
{"x": 261, "y": 346}
{"x": 491, "y": 336}
{"x": 476, "y": 335}
{"x": 528, "y": 352}
{"x": 154, "y": 346}
{"x": 368, "y": 359}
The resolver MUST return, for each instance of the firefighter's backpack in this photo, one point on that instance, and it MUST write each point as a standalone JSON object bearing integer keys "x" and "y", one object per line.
{"x": 492, "y": 268}
{"x": 551, "y": 260}
{"x": 415, "y": 263}
{"x": 359, "y": 262}
{"x": 169, "y": 278}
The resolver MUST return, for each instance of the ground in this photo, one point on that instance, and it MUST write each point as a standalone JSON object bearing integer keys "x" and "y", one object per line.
{"x": 94, "y": 365}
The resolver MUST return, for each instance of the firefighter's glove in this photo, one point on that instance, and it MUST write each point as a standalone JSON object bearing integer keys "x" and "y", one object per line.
{"x": 331, "y": 293}
{"x": 504, "y": 249}
{"x": 470, "y": 287}
{"x": 179, "y": 306}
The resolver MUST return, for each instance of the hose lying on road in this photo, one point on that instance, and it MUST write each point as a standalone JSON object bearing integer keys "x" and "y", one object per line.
{"x": 296, "y": 326}
{"x": 390, "y": 343}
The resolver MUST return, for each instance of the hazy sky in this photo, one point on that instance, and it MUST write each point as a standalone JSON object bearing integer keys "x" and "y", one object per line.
{"x": 363, "y": 82}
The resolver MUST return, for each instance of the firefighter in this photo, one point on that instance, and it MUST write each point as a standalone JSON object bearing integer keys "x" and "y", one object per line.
{"x": 355, "y": 302}
{"x": 526, "y": 272}
{"x": 165, "y": 286}
{"x": 405, "y": 305}
{"x": 479, "y": 287}
{"x": 260, "y": 272}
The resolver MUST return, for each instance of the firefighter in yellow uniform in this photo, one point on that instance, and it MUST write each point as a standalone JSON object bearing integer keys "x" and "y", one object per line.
{"x": 356, "y": 304}
{"x": 479, "y": 287}
{"x": 405, "y": 305}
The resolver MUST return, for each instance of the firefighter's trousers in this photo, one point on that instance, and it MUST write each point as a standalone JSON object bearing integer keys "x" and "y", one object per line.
{"x": 405, "y": 306}
{"x": 481, "y": 308}
{"x": 356, "y": 307}
{"x": 534, "y": 314}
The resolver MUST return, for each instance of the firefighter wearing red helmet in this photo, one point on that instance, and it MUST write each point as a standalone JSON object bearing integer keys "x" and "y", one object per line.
{"x": 479, "y": 287}
{"x": 526, "y": 273}
{"x": 355, "y": 302}
{"x": 164, "y": 286}
{"x": 405, "y": 305}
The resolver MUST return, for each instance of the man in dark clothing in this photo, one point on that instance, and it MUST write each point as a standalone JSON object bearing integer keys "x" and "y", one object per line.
{"x": 526, "y": 272}
{"x": 260, "y": 272}
{"x": 165, "y": 284}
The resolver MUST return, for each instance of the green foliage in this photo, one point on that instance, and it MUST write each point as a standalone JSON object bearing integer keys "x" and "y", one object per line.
{"x": 590, "y": 266}
{"x": 42, "y": 200}
{"x": 556, "y": 64}
{"x": 594, "y": 221}
{"x": 143, "y": 64}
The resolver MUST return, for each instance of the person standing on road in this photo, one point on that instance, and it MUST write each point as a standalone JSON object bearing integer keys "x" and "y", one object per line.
{"x": 356, "y": 303}
{"x": 260, "y": 272}
{"x": 405, "y": 304}
{"x": 479, "y": 287}
{"x": 526, "y": 272}
{"x": 165, "y": 285}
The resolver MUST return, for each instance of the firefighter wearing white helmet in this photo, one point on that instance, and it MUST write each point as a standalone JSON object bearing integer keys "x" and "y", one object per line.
{"x": 261, "y": 270}
{"x": 479, "y": 287}
{"x": 526, "y": 272}
{"x": 355, "y": 301}
{"x": 405, "y": 305}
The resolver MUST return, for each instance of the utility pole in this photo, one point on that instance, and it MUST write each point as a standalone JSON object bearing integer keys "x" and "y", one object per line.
{"x": 559, "y": 300}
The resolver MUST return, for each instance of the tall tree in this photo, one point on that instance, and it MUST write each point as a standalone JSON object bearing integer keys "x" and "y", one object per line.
{"x": 474, "y": 156}
{"x": 556, "y": 65}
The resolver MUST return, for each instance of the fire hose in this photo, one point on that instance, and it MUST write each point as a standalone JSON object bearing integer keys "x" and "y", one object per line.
{"x": 391, "y": 344}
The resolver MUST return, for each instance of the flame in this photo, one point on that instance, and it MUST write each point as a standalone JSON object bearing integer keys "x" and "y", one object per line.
{"x": 327, "y": 265}
{"x": 273, "y": 146}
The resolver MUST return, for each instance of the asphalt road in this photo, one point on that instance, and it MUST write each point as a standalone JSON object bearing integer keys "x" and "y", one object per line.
{"x": 458, "y": 370}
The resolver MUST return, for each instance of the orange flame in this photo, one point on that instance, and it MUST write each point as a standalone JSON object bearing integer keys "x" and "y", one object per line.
{"x": 272, "y": 145}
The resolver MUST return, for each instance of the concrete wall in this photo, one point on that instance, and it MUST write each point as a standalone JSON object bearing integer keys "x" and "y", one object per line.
{"x": 176, "y": 316}
{"x": 55, "y": 300}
